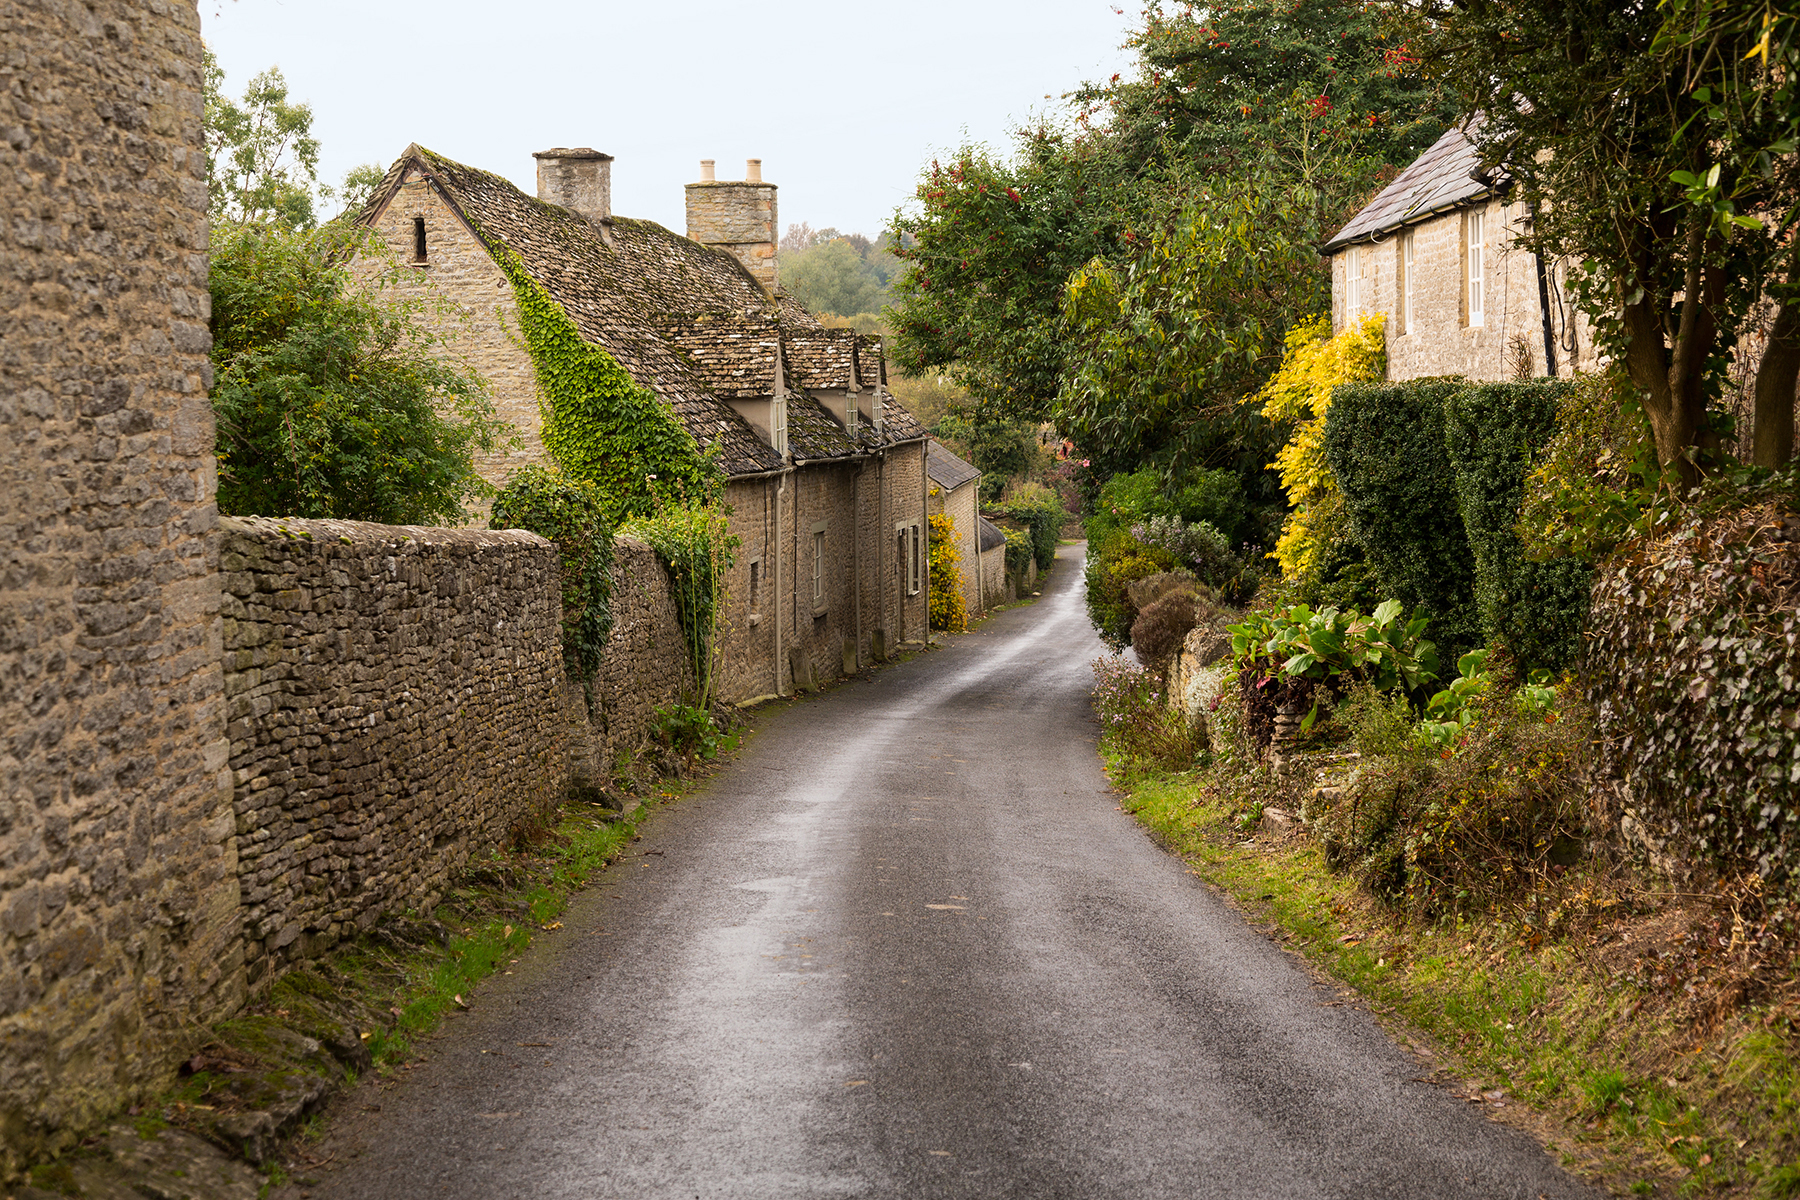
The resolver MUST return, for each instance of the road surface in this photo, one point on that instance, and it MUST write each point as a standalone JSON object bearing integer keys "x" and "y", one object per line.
{"x": 908, "y": 946}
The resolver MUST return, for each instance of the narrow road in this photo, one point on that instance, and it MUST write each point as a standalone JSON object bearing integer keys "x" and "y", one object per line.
{"x": 907, "y": 946}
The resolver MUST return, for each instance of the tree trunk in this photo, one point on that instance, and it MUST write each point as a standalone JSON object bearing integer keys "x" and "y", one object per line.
{"x": 1672, "y": 375}
{"x": 1774, "y": 438}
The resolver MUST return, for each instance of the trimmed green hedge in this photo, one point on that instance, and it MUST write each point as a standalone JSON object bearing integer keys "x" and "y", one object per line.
{"x": 1493, "y": 430}
{"x": 1385, "y": 444}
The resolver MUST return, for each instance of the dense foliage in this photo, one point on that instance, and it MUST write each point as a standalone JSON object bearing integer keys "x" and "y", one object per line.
{"x": 949, "y": 611}
{"x": 1385, "y": 446}
{"x": 1041, "y": 512}
{"x": 1693, "y": 668}
{"x": 334, "y": 396}
{"x": 1493, "y": 432}
{"x": 842, "y": 275}
{"x": 695, "y": 544}
{"x": 572, "y": 514}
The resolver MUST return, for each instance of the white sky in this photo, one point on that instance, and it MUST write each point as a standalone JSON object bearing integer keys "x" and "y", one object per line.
{"x": 843, "y": 102}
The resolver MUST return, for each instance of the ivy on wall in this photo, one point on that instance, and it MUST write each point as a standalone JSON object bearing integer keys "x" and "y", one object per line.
{"x": 571, "y": 513}
{"x": 696, "y": 546}
{"x": 599, "y": 424}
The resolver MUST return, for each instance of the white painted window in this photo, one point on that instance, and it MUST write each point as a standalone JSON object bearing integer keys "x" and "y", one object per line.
{"x": 778, "y": 423}
{"x": 918, "y": 559}
{"x": 1407, "y": 270}
{"x": 755, "y": 605}
{"x": 818, "y": 564}
{"x": 1353, "y": 294}
{"x": 1474, "y": 268}
{"x": 910, "y": 556}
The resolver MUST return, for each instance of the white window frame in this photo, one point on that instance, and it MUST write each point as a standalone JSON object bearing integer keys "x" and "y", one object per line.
{"x": 1408, "y": 269}
{"x": 778, "y": 427}
{"x": 1474, "y": 268}
{"x": 1352, "y": 285}
{"x": 818, "y": 565}
{"x": 911, "y": 569}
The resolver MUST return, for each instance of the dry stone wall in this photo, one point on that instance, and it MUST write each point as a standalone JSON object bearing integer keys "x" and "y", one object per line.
{"x": 395, "y": 699}
{"x": 118, "y": 885}
{"x": 646, "y": 665}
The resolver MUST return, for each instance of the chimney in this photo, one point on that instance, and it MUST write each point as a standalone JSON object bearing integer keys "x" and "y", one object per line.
{"x": 578, "y": 179}
{"x": 739, "y": 217}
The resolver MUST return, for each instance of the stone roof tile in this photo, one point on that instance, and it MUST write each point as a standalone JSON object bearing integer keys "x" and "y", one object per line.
{"x": 1437, "y": 180}
{"x": 946, "y": 469}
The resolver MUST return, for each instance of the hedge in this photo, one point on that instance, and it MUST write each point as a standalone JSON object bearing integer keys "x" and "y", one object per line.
{"x": 1493, "y": 431}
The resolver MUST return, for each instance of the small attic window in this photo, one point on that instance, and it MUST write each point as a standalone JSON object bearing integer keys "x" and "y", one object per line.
{"x": 418, "y": 239}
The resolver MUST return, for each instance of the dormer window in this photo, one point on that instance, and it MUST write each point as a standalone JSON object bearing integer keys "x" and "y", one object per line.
{"x": 778, "y": 424}
{"x": 419, "y": 239}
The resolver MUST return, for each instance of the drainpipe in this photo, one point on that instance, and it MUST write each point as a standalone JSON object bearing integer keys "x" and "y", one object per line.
{"x": 925, "y": 535}
{"x": 775, "y": 578}
{"x": 1544, "y": 301}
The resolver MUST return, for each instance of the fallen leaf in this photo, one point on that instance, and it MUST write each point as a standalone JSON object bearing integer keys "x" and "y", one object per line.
{"x": 953, "y": 908}
{"x": 856, "y": 1083}
{"x": 459, "y": 1001}
{"x": 1705, "y": 1159}
{"x": 506, "y": 932}
{"x": 551, "y": 925}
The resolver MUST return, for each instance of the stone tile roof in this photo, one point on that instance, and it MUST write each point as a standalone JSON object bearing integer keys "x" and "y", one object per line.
{"x": 1439, "y": 179}
{"x": 822, "y": 358}
{"x": 946, "y": 469}
{"x": 992, "y": 536}
{"x": 685, "y": 320}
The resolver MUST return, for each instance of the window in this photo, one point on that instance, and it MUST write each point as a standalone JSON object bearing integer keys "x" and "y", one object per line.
{"x": 418, "y": 239}
{"x": 778, "y": 424}
{"x": 918, "y": 560}
{"x": 850, "y": 412}
{"x": 1353, "y": 297}
{"x": 1405, "y": 258}
{"x": 755, "y": 606}
{"x": 909, "y": 565}
{"x": 818, "y": 565}
{"x": 1473, "y": 265}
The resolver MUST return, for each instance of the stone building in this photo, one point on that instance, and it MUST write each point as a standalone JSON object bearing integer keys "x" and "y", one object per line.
{"x": 1434, "y": 252}
{"x": 825, "y": 471}
{"x": 980, "y": 544}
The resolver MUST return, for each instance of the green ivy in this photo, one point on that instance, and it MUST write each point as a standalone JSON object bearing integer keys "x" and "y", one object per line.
{"x": 571, "y": 513}
{"x": 1041, "y": 511}
{"x": 694, "y": 543}
{"x": 599, "y": 424}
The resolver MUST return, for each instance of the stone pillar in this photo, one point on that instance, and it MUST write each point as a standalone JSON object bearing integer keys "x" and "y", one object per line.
{"x": 739, "y": 217}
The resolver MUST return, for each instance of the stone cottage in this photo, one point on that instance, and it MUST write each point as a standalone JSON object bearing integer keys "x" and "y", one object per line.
{"x": 980, "y": 544}
{"x": 825, "y": 471}
{"x": 1434, "y": 252}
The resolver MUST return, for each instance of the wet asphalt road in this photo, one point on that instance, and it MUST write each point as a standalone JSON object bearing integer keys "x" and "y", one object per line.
{"x": 907, "y": 946}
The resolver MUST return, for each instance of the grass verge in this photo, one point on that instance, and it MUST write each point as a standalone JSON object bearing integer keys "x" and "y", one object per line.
{"x": 1597, "y": 1040}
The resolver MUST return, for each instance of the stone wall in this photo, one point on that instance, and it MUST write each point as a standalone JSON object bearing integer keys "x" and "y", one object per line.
{"x": 646, "y": 665}
{"x": 118, "y": 886}
{"x": 395, "y": 702}
{"x": 1441, "y": 340}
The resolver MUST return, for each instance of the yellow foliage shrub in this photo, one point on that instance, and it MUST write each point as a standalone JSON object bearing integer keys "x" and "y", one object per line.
{"x": 1300, "y": 392}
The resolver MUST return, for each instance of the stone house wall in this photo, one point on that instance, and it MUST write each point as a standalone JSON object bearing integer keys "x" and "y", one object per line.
{"x": 646, "y": 666}
{"x": 479, "y": 312}
{"x": 1442, "y": 341}
{"x": 960, "y": 505}
{"x": 118, "y": 884}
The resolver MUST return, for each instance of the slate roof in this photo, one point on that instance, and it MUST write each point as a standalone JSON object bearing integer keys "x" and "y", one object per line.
{"x": 684, "y": 320}
{"x": 1439, "y": 179}
{"x": 946, "y": 469}
{"x": 992, "y": 536}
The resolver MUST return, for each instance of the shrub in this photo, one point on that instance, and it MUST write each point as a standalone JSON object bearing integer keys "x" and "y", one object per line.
{"x": 1041, "y": 511}
{"x": 1693, "y": 666}
{"x": 1168, "y": 609}
{"x": 333, "y": 399}
{"x": 948, "y": 609}
{"x": 1534, "y": 609}
{"x": 1594, "y": 477}
{"x": 1135, "y": 723}
{"x": 1019, "y": 553}
{"x": 1113, "y": 566}
{"x": 1215, "y": 497}
{"x": 695, "y": 544}
{"x": 1299, "y": 393}
{"x": 572, "y": 514}
{"x": 1201, "y": 549}
{"x": 1385, "y": 445}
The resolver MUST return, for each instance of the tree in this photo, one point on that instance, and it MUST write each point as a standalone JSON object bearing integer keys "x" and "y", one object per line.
{"x": 832, "y": 277}
{"x": 1657, "y": 154}
{"x": 262, "y": 161}
{"x": 333, "y": 398}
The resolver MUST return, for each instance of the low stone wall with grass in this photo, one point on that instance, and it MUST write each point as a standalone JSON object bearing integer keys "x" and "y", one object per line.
{"x": 395, "y": 702}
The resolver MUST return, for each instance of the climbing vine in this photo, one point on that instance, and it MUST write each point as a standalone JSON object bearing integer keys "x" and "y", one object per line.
{"x": 571, "y": 513}
{"x": 948, "y": 610}
{"x": 599, "y": 424}
{"x": 695, "y": 544}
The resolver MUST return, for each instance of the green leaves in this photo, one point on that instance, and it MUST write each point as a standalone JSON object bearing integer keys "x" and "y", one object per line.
{"x": 1384, "y": 650}
{"x": 334, "y": 397}
{"x": 571, "y": 513}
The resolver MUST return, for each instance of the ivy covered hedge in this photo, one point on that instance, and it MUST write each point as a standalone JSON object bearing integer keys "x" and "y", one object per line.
{"x": 571, "y": 513}
{"x": 1040, "y": 510}
{"x": 1692, "y": 664}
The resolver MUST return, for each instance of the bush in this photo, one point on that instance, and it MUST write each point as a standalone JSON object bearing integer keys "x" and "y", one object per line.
{"x": 1019, "y": 553}
{"x": 1493, "y": 430}
{"x": 1203, "y": 550}
{"x": 1040, "y": 510}
{"x": 1113, "y": 566}
{"x": 572, "y": 514}
{"x": 948, "y": 609}
{"x": 1693, "y": 667}
{"x": 697, "y": 548}
{"x": 1162, "y": 626}
{"x": 1215, "y": 497}
{"x": 1135, "y": 723}
{"x": 1596, "y": 475}
{"x": 1385, "y": 445}
{"x": 336, "y": 400}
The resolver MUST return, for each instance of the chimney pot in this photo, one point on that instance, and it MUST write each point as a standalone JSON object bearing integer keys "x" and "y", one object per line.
{"x": 706, "y": 170}
{"x": 753, "y": 170}
{"x": 737, "y": 216}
